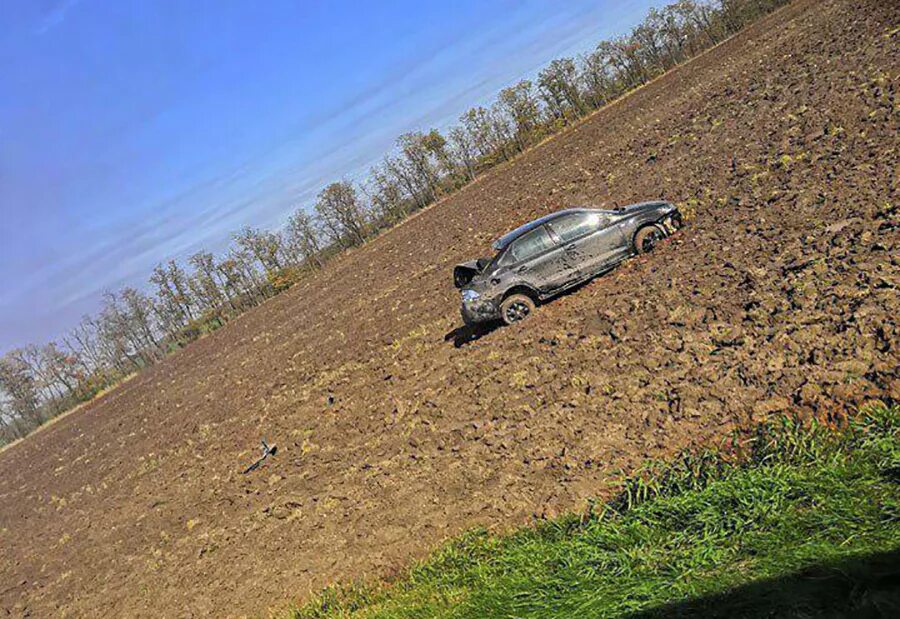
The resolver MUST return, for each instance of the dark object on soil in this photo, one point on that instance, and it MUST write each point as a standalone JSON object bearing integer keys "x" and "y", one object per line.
{"x": 267, "y": 451}
{"x": 550, "y": 255}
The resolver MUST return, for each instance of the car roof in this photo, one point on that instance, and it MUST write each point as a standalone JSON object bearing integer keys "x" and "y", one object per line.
{"x": 504, "y": 241}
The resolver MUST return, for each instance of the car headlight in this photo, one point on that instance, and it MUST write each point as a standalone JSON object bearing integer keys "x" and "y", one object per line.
{"x": 468, "y": 296}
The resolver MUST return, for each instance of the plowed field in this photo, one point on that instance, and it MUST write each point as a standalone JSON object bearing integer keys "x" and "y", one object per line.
{"x": 395, "y": 431}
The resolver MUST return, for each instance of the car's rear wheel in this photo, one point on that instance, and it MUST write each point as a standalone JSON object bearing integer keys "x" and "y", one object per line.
{"x": 647, "y": 238}
{"x": 516, "y": 308}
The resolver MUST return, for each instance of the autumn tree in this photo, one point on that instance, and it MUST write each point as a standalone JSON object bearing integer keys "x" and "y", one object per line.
{"x": 251, "y": 284}
{"x": 520, "y": 105}
{"x": 477, "y": 123}
{"x": 12, "y": 426}
{"x": 558, "y": 85}
{"x": 415, "y": 149}
{"x": 341, "y": 213}
{"x": 61, "y": 369}
{"x": 462, "y": 145}
{"x": 207, "y": 284}
{"x": 596, "y": 79}
{"x": 139, "y": 321}
{"x": 438, "y": 147}
{"x": 389, "y": 202}
{"x": 84, "y": 346}
{"x": 263, "y": 245}
{"x": 302, "y": 240}
{"x": 17, "y": 380}
{"x": 173, "y": 299}
{"x": 126, "y": 325}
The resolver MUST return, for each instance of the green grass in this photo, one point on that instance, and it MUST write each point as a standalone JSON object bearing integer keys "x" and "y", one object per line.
{"x": 800, "y": 520}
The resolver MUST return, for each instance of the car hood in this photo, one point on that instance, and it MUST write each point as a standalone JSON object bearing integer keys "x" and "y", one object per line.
{"x": 465, "y": 272}
{"x": 644, "y": 206}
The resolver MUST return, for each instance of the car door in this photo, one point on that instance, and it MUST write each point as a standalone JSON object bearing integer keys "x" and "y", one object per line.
{"x": 591, "y": 240}
{"x": 538, "y": 260}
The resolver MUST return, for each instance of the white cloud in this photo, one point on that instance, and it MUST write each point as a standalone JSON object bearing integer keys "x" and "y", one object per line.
{"x": 55, "y": 16}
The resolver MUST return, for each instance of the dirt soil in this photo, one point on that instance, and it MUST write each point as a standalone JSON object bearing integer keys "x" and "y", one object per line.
{"x": 396, "y": 431}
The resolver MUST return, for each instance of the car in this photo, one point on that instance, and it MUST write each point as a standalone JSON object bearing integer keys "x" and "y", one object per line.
{"x": 547, "y": 256}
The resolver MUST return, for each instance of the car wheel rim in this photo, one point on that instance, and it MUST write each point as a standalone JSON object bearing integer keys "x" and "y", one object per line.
{"x": 516, "y": 312}
{"x": 650, "y": 242}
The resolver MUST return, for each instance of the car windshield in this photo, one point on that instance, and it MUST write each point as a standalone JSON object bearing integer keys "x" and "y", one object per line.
{"x": 501, "y": 258}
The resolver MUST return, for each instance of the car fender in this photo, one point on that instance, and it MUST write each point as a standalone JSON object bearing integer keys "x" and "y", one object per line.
{"x": 632, "y": 224}
{"x": 523, "y": 288}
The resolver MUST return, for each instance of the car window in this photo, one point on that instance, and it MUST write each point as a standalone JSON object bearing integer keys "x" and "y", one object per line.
{"x": 531, "y": 244}
{"x": 569, "y": 227}
{"x": 504, "y": 258}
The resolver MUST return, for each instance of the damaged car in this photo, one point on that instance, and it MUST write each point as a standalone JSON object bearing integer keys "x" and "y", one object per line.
{"x": 547, "y": 256}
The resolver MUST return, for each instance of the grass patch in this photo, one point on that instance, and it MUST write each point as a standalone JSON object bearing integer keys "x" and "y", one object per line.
{"x": 797, "y": 520}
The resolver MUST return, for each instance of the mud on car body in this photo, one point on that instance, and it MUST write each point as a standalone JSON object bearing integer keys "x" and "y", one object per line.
{"x": 543, "y": 258}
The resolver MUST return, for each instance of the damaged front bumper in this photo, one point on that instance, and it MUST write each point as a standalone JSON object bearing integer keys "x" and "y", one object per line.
{"x": 476, "y": 309}
{"x": 672, "y": 222}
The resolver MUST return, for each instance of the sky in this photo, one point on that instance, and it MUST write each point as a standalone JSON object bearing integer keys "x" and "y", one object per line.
{"x": 134, "y": 132}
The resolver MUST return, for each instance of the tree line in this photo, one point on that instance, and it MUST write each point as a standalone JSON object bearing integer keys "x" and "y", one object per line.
{"x": 184, "y": 300}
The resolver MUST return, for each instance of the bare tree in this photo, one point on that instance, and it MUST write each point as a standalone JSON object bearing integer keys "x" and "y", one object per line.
{"x": 239, "y": 268}
{"x": 478, "y": 123}
{"x": 462, "y": 145}
{"x": 139, "y": 321}
{"x": 415, "y": 149}
{"x": 126, "y": 334}
{"x": 61, "y": 369}
{"x": 389, "y": 203}
{"x": 30, "y": 356}
{"x": 207, "y": 283}
{"x": 18, "y": 381}
{"x": 173, "y": 296}
{"x": 263, "y": 245}
{"x": 341, "y": 213}
{"x": 437, "y": 146}
{"x": 12, "y": 426}
{"x": 404, "y": 174}
{"x": 83, "y": 345}
{"x": 302, "y": 240}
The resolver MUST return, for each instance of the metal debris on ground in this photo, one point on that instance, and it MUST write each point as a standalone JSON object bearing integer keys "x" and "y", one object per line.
{"x": 267, "y": 451}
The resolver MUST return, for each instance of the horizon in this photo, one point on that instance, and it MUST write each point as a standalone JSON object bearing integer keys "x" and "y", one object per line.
{"x": 121, "y": 153}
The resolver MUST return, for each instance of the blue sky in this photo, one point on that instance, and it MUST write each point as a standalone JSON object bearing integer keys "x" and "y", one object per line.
{"x": 133, "y": 132}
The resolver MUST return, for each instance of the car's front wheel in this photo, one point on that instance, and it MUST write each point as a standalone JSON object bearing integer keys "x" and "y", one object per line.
{"x": 647, "y": 238}
{"x": 516, "y": 308}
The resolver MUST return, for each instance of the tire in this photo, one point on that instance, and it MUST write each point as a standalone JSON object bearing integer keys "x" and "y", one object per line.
{"x": 516, "y": 308}
{"x": 647, "y": 238}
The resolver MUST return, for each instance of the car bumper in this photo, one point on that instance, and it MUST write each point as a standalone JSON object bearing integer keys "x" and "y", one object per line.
{"x": 672, "y": 221}
{"x": 475, "y": 312}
